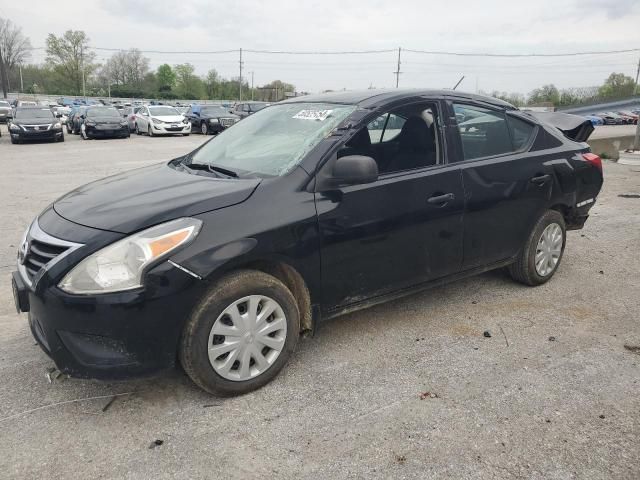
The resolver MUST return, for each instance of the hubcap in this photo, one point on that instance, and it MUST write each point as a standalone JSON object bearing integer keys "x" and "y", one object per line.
{"x": 247, "y": 338}
{"x": 548, "y": 250}
{"x": 204, "y": 128}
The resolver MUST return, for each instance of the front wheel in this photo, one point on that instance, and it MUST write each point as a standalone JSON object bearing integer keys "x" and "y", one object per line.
{"x": 204, "y": 128}
{"x": 150, "y": 131}
{"x": 542, "y": 252}
{"x": 241, "y": 334}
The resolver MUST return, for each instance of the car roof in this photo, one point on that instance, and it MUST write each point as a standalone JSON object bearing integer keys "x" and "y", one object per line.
{"x": 372, "y": 98}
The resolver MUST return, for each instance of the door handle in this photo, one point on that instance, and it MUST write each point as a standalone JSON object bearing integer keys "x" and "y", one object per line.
{"x": 541, "y": 179}
{"x": 441, "y": 199}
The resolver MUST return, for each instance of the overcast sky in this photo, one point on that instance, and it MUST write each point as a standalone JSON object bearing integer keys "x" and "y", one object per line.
{"x": 493, "y": 26}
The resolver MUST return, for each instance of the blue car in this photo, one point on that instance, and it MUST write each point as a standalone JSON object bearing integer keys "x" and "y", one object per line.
{"x": 594, "y": 120}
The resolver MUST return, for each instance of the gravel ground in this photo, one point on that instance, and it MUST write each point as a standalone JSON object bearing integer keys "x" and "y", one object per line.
{"x": 520, "y": 404}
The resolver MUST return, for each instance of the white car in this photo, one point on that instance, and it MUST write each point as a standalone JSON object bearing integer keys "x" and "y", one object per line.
{"x": 161, "y": 120}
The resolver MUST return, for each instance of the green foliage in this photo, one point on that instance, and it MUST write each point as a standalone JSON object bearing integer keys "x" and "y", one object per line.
{"x": 166, "y": 78}
{"x": 69, "y": 55}
{"x": 188, "y": 84}
{"x": 618, "y": 85}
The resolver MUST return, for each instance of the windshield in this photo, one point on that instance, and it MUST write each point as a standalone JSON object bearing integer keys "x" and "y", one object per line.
{"x": 4, "y": 104}
{"x": 214, "y": 111}
{"x": 34, "y": 113}
{"x": 273, "y": 141}
{"x": 163, "y": 111}
{"x": 103, "y": 112}
{"x": 254, "y": 107}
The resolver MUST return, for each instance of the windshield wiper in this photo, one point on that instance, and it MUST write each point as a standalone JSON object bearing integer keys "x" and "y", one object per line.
{"x": 224, "y": 171}
{"x": 211, "y": 168}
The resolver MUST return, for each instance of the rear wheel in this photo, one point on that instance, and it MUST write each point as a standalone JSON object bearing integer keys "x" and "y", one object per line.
{"x": 204, "y": 128}
{"x": 542, "y": 252}
{"x": 241, "y": 334}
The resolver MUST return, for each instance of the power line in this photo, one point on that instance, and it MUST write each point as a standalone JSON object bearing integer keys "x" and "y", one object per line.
{"x": 515, "y": 55}
{"x": 367, "y": 52}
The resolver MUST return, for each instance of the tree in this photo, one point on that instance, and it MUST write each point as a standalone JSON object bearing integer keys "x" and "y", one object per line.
{"x": 617, "y": 85}
{"x": 14, "y": 49}
{"x": 70, "y": 57}
{"x": 212, "y": 84}
{"x": 166, "y": 78}
{"x": 545, "y": 94}
{"x": 188, "y": 85}
{"x": 275, "y": 90}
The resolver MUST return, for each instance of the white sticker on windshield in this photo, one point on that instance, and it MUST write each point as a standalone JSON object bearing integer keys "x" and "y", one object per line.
{"x": 313, "y": 114}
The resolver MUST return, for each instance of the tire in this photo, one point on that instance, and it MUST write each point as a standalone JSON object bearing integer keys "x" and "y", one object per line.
{"x": 149, "y": 131}
{"x": 197, "y": 335}
{"x": 524, "y": 269}
{"x": 185, "y": 134}
{"x": 137, "y": 130}
{"x": 61, "y": 139}
{"x": 14, "y": 141}
{"x": 68, "y": 129}
{"x": 204, "y": 128}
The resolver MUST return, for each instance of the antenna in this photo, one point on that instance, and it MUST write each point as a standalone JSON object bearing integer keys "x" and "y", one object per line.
{"x": 459, "y": 82}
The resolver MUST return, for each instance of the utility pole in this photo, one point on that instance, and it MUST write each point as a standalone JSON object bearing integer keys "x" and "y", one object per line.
{"x": 21, "y": 83}
{"x": 635, "y": 89}
{"x": 84, "y": 87}
{"x": 251, "y": 84}
{"x": 398, "y": 72}
{"x": 241, "y": 74}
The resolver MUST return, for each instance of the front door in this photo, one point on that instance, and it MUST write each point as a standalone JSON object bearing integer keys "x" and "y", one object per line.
{"x": 405, "y": 228}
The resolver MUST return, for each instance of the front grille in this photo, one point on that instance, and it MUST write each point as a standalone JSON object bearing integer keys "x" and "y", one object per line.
{"x": 39, "y": 255}
{"x": 227, "y": 122}
{"x": 33, "y": 128}
{"x": 39, "y": 251}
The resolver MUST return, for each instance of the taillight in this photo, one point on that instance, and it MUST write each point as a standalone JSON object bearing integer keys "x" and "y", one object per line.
{"x": 594, "y": 160}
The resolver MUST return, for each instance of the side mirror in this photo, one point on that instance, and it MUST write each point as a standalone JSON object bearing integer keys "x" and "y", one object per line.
{"x": 58, "y": 115}
{"x": 354, "y": 170}
{"x": 82, "y": 116}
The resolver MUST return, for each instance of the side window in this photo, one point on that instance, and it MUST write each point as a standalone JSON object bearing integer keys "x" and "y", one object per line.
{"x": 405, "y": 138}
{"x": 521, "y": 131}
{"x": 190, "y": 111}
{"x": 385, "y": 128}
{"x": 483, "y": 132}
{"x": 245, "y": 108}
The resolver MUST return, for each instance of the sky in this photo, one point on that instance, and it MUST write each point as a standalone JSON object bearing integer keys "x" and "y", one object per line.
{"x": 463, "y": 26}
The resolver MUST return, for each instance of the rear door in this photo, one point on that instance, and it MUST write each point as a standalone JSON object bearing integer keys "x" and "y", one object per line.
{"x": 506, "y": 187}
{"x": 402, "y": 230}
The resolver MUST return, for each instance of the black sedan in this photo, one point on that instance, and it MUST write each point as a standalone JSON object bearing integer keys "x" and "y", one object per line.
{"x": 308, "y": 209}
{"x": 35, "y": 123}
{"x": 210, "y": 119}
{"x": 103, "y": 122}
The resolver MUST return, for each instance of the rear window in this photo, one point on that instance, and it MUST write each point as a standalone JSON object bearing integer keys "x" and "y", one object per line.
{"x": 521, "y": 132}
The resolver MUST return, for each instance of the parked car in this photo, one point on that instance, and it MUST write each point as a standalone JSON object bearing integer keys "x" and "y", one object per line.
{"x": 245, "y": 109}
{"x": 608, "y": 119}
{"x": 210, "y": 119}
{"x": 104, "y": 122}
{"x": 6, "y": 112}
{"x": 161, "y": 120}
{"x": 620, "y": 120}
{"x": 130, "y": 114}
{"x": 595, "y": 120}
{"x": 222, "y": 257}
{"x": 63, "y": 111}
{"x": 75, "y": 119}
{"x": 633, "y": 118}
{"x": 35, "y": 123}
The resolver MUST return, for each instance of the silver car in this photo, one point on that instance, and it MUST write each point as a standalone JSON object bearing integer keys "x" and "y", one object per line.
{"x": 6, "y": 112}
{"x": 129, "y": 113}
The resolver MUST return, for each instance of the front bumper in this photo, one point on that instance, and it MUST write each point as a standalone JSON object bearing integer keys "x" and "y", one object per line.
{"x": 171, "y": 128}
{"x": 23, "y": 135}
{"x": 109, "y": 336}
{"x": 95, "y": 132}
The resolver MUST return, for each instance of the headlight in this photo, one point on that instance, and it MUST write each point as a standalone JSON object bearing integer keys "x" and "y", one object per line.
{"x": 120, "y": 266}
{"x": 57, "y": 125}
{"x": 155, "y": 120}
{"x": 213, "y": 120}
{"x": 124, "y": 124}
{"x": 185, "y": 120}
{"x": 14, "y": 127}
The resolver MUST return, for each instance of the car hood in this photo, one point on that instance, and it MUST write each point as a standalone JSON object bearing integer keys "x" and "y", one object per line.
{"x": 169, "y": 118}
{"x": 106, "y": 119}
{"x": 33, "y": 121}
{"x": 137, "y": 199}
